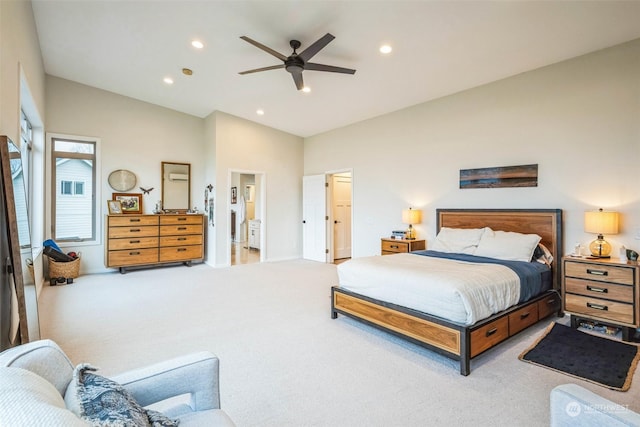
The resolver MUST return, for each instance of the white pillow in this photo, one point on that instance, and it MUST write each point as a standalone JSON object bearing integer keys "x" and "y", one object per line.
{"x": 507, "y": 245}
{"x": 458, "y": 240}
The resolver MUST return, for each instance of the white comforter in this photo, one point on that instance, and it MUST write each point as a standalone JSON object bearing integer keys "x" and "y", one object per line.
{"x": 459, "y": 291}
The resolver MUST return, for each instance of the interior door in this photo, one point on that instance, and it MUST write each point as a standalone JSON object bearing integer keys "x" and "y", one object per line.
{"x": 314, "y": 211}
{"x": 341, "y": 201}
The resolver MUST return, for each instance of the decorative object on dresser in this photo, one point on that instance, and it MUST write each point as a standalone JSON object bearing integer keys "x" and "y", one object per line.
{"x": 176, "y": 187}
{"x": 395, "y": 246}
{"x": 600, "y": 222}
{"x": 602, "y": 291}
{"x": 145, "y": 240}
{"x": 454, "y": 339}
{"x": 411, "y": 216}
{"x": 131, "y": 203}
{"x": 115, "y": 207}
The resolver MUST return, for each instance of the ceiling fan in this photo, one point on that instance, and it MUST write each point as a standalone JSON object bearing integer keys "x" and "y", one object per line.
{"x": 296, "y": 63}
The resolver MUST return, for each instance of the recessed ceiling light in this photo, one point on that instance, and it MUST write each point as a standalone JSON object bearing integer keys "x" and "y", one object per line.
{"x": 197, "y": 44}
{"x": 306, "y": 89}
{"x": 168, "y": 80}
{"x": 260, "y": 112}
{"x": 385, "y": 48}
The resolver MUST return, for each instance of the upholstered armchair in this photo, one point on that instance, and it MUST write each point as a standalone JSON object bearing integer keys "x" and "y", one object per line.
{"x": 26, "y": 400}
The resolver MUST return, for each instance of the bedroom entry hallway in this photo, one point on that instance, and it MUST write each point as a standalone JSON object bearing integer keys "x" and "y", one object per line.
{"x": 246, "y": 236}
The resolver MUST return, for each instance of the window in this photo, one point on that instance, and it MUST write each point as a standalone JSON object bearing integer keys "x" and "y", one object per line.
{"x": 73, "y": 207}
{"x": 26, "y": 143}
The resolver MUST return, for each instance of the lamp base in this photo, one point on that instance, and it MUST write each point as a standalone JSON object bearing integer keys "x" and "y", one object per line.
{"x": 600, "y": 248}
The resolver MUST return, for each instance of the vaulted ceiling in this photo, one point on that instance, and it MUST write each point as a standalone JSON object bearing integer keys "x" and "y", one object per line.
{"x": 439, "y": 48}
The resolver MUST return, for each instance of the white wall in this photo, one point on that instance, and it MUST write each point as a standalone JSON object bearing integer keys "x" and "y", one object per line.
{"x": 242, "y": 145}
{"x": 135, "y": 135}
{"x": 579, "y": 120}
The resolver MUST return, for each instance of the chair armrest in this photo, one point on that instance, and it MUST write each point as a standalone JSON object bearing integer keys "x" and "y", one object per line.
{"x": 195, "y": 374}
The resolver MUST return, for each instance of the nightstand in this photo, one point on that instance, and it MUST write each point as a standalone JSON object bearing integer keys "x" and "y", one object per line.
{"x": 395, "y": 246}
{"x": 602, "y": 291}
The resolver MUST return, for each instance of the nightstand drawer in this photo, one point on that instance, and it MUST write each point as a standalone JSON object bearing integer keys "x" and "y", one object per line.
{"x": 609, "y": 291}
{"x": 605, "y": 273}
{"x": 604, "y": 309}
{"x": 395, "y": 247}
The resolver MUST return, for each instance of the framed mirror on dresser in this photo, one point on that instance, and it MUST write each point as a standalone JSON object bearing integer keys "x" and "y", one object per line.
{"x": 176, "y": 187}
{"x": 19, "y": 321}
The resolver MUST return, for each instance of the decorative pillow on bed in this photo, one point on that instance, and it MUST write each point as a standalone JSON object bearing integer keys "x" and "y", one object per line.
{"x": 542, "y": 255}
{"x": 507, "y": 245}
{"x": 105, "y": 403}
{"x": 458, "y": 240}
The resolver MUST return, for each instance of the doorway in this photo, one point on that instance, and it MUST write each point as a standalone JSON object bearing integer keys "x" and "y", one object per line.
{"x": 340, "y": 208}
{"x": 246, "y": 232}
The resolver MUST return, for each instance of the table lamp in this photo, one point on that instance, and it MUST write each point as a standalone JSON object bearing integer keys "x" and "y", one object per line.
{"x": 600, "y": 222}
{"x": 411, "y": 216}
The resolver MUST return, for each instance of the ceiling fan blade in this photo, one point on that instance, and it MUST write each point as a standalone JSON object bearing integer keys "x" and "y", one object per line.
{"x": 309, "y": 52}
{"x": 265, "y": 48}
{"x": 321, "y": 67}
{"x": 257, "y": 70}
{"x": 297, "y": 79}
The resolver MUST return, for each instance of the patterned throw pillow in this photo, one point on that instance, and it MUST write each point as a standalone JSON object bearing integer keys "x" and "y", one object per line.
{"x": 105, "y": 403}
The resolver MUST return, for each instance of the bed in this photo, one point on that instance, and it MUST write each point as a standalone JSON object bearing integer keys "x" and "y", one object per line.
{"x": 463, "y": 340}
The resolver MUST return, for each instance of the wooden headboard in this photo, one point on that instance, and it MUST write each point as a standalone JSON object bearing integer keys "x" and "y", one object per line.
{"x": 546, "y": 223}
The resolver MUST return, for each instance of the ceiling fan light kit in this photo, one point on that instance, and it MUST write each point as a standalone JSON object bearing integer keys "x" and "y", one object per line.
{"x": 296, "y": 63}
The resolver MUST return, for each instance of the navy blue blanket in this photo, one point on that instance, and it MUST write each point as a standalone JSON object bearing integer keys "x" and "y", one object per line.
{"x": 535, "y": 277}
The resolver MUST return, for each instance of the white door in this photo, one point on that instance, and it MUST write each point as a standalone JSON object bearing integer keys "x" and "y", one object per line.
{"x": 341, "y": 216}
{"x": 314, "y": 211}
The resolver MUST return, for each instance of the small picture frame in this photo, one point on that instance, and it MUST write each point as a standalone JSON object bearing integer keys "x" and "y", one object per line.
{"x": 234, "y": 195}
{"x": 115, "y": 207}
{"x": 131, "y": 202}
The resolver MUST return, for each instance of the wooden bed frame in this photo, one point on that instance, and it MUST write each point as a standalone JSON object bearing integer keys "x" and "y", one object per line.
{"x": 456, "y": 340}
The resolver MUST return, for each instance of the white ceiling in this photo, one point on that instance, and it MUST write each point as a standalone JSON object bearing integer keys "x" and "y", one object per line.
{"x": 440, "y": 47}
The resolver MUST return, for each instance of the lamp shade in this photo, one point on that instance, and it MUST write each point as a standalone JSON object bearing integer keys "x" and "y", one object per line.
{"x": 601, "y": 222}
{"x": 411, "y": 216}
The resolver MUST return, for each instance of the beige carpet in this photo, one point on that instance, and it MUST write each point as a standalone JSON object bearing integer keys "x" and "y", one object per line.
{"x": 284, "y": 361}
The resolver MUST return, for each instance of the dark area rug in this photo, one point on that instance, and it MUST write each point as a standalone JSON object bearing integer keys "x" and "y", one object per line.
{"x": 600, "y": 360}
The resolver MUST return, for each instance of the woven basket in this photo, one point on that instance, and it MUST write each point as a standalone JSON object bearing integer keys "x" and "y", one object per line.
{"x": 68, "y": 270}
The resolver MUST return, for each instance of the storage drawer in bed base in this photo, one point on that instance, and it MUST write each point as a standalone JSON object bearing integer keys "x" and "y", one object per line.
{"x": 454, "y": 340}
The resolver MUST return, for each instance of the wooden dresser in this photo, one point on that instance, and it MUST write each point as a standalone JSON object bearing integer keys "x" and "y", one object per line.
{"x": 602, "y": 291}
{"x": 393, "y": 246}
{"x": 137, "y": 240}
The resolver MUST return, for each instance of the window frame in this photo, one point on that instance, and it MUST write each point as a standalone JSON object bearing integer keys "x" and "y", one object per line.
{"x": 52, "y": 187}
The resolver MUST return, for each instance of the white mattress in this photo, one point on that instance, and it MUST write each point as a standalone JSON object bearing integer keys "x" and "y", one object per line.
{"x": 460, "y": 291}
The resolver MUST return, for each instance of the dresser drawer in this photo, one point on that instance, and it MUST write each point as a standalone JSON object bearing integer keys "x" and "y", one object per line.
{"x": 190, "y": 239}
{"x": 600, "y": 308}
{"x": 126, "y": 220}
{"x": 180, "y": 219}
{"x": 133, "y": 257}
{"x": 607, "y": 273}
{"x": 549, "y": 305}
{"x": 170, "y": 230}
{"x": 520, "y": 319}
{"x": 609, "y": 291}
{"x": 138, "y": 231}
{"x": 395, "y": 247}
{"x": 181, "y": 253}
{"x": 133, "y": 243}
{"x": 489, "y": 335}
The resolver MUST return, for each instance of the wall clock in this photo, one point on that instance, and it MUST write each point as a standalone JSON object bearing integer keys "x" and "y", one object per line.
{"x": 122, "y": 180}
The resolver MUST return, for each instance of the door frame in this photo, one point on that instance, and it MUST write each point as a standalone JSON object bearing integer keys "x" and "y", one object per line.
{"x": 263, "y": 211}
{"x": 329, "y": 203}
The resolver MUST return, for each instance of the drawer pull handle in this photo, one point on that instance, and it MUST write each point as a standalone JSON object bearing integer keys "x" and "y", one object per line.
{"x": 182, "y": 228}
{"x": 597, "y": 272}
{"x": 394, "y": 246}
{"x": 134, "y": 220}
{"x": 134, "y": 253}
{"x": 134, "y": 241}
{"x": 524, "y": 315}
{"x": 598, "y": 306}
{"x": 491, "y": 332}
{"x": 551, "y": 301}
{"x": 180, "y": 239}
{"x": 182, "y": 219}
{"x": 134, "y": 230}
{"x": 599, "y": 290}
{"x": 182, "y": 249}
